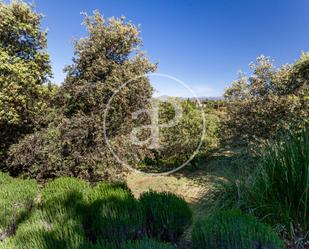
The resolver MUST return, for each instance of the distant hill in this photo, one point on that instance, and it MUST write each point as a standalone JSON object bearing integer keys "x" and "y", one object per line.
{"x": 165, "y": 97}
{"x": 211, "y": 98}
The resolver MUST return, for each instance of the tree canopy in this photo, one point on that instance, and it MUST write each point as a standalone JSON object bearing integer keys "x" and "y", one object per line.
{"x": 24, "y": 69}
{"x": 270, "y": 101}
{"x": 107, "y": 60}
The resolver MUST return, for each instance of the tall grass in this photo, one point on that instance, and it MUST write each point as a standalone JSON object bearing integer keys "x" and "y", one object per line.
{"x": 64, "y": 199}
{"x": 282, "y": 186}
{"x": 57, "y": 221}
{"x": 16, "y": 199}
{"x": 232, "y": 229}
{"x": 278, "y": 192}
{"x": 38, "y": 233}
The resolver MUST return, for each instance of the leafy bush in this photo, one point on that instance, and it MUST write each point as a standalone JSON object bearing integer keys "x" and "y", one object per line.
{"x": 270, "y": 101}
{"x": 278, "y": 191}
{"x": 113, "y": 214}
{"x": 24, "y": 68}
{"x": 16, "y": 199}
{"x": 73, "y": 144}
{"x": 179, "y": 142}
{"x": 231, "y": 229}
{"x": 67, "y": 147}
{"x": 167, "y": 215}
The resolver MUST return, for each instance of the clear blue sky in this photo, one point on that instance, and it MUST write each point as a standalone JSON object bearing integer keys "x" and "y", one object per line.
{"x": 203, "y": 43}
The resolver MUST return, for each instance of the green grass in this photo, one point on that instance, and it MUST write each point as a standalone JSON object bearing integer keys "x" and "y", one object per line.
{"x": 74, "y": 215}
{"x": 113, "y": 214}
{"x": 39, "y": 233}
{"x": 17, "y": 197}
{"x": 278, "y": 192}
{"x": 57, "y": 221}
{"x": 231, "y": 229}
{"x": 64, "y": 199}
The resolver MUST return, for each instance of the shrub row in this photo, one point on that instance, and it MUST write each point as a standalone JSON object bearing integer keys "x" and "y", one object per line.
{"x": 74, "y": 215}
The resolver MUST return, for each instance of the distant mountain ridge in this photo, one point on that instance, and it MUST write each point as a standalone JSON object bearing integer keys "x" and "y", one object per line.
{"x": 203, "y": 98}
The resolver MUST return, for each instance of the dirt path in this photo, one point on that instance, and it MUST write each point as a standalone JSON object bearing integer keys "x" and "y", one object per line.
{"x": 182, "y": 186}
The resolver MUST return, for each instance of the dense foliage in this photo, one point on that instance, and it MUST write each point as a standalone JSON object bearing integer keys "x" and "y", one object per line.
{"x": 24, "y": 68}
{"x": 47, "y": 132}
{"x": 70, "y": 139}
{"x": 180, "y": 141}
{"x": 167, "y": 215}
{"x": 278, "y": 191}
{"x": 193, "y": 133}
{"x": 232, "y": 229}
{"x": 73, "y": 144}
{"x": 270, "y": 101}
{"x": 72, "y": 214}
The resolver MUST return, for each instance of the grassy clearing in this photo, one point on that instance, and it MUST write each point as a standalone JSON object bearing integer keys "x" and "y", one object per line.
{"x": 194, "y": 184}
